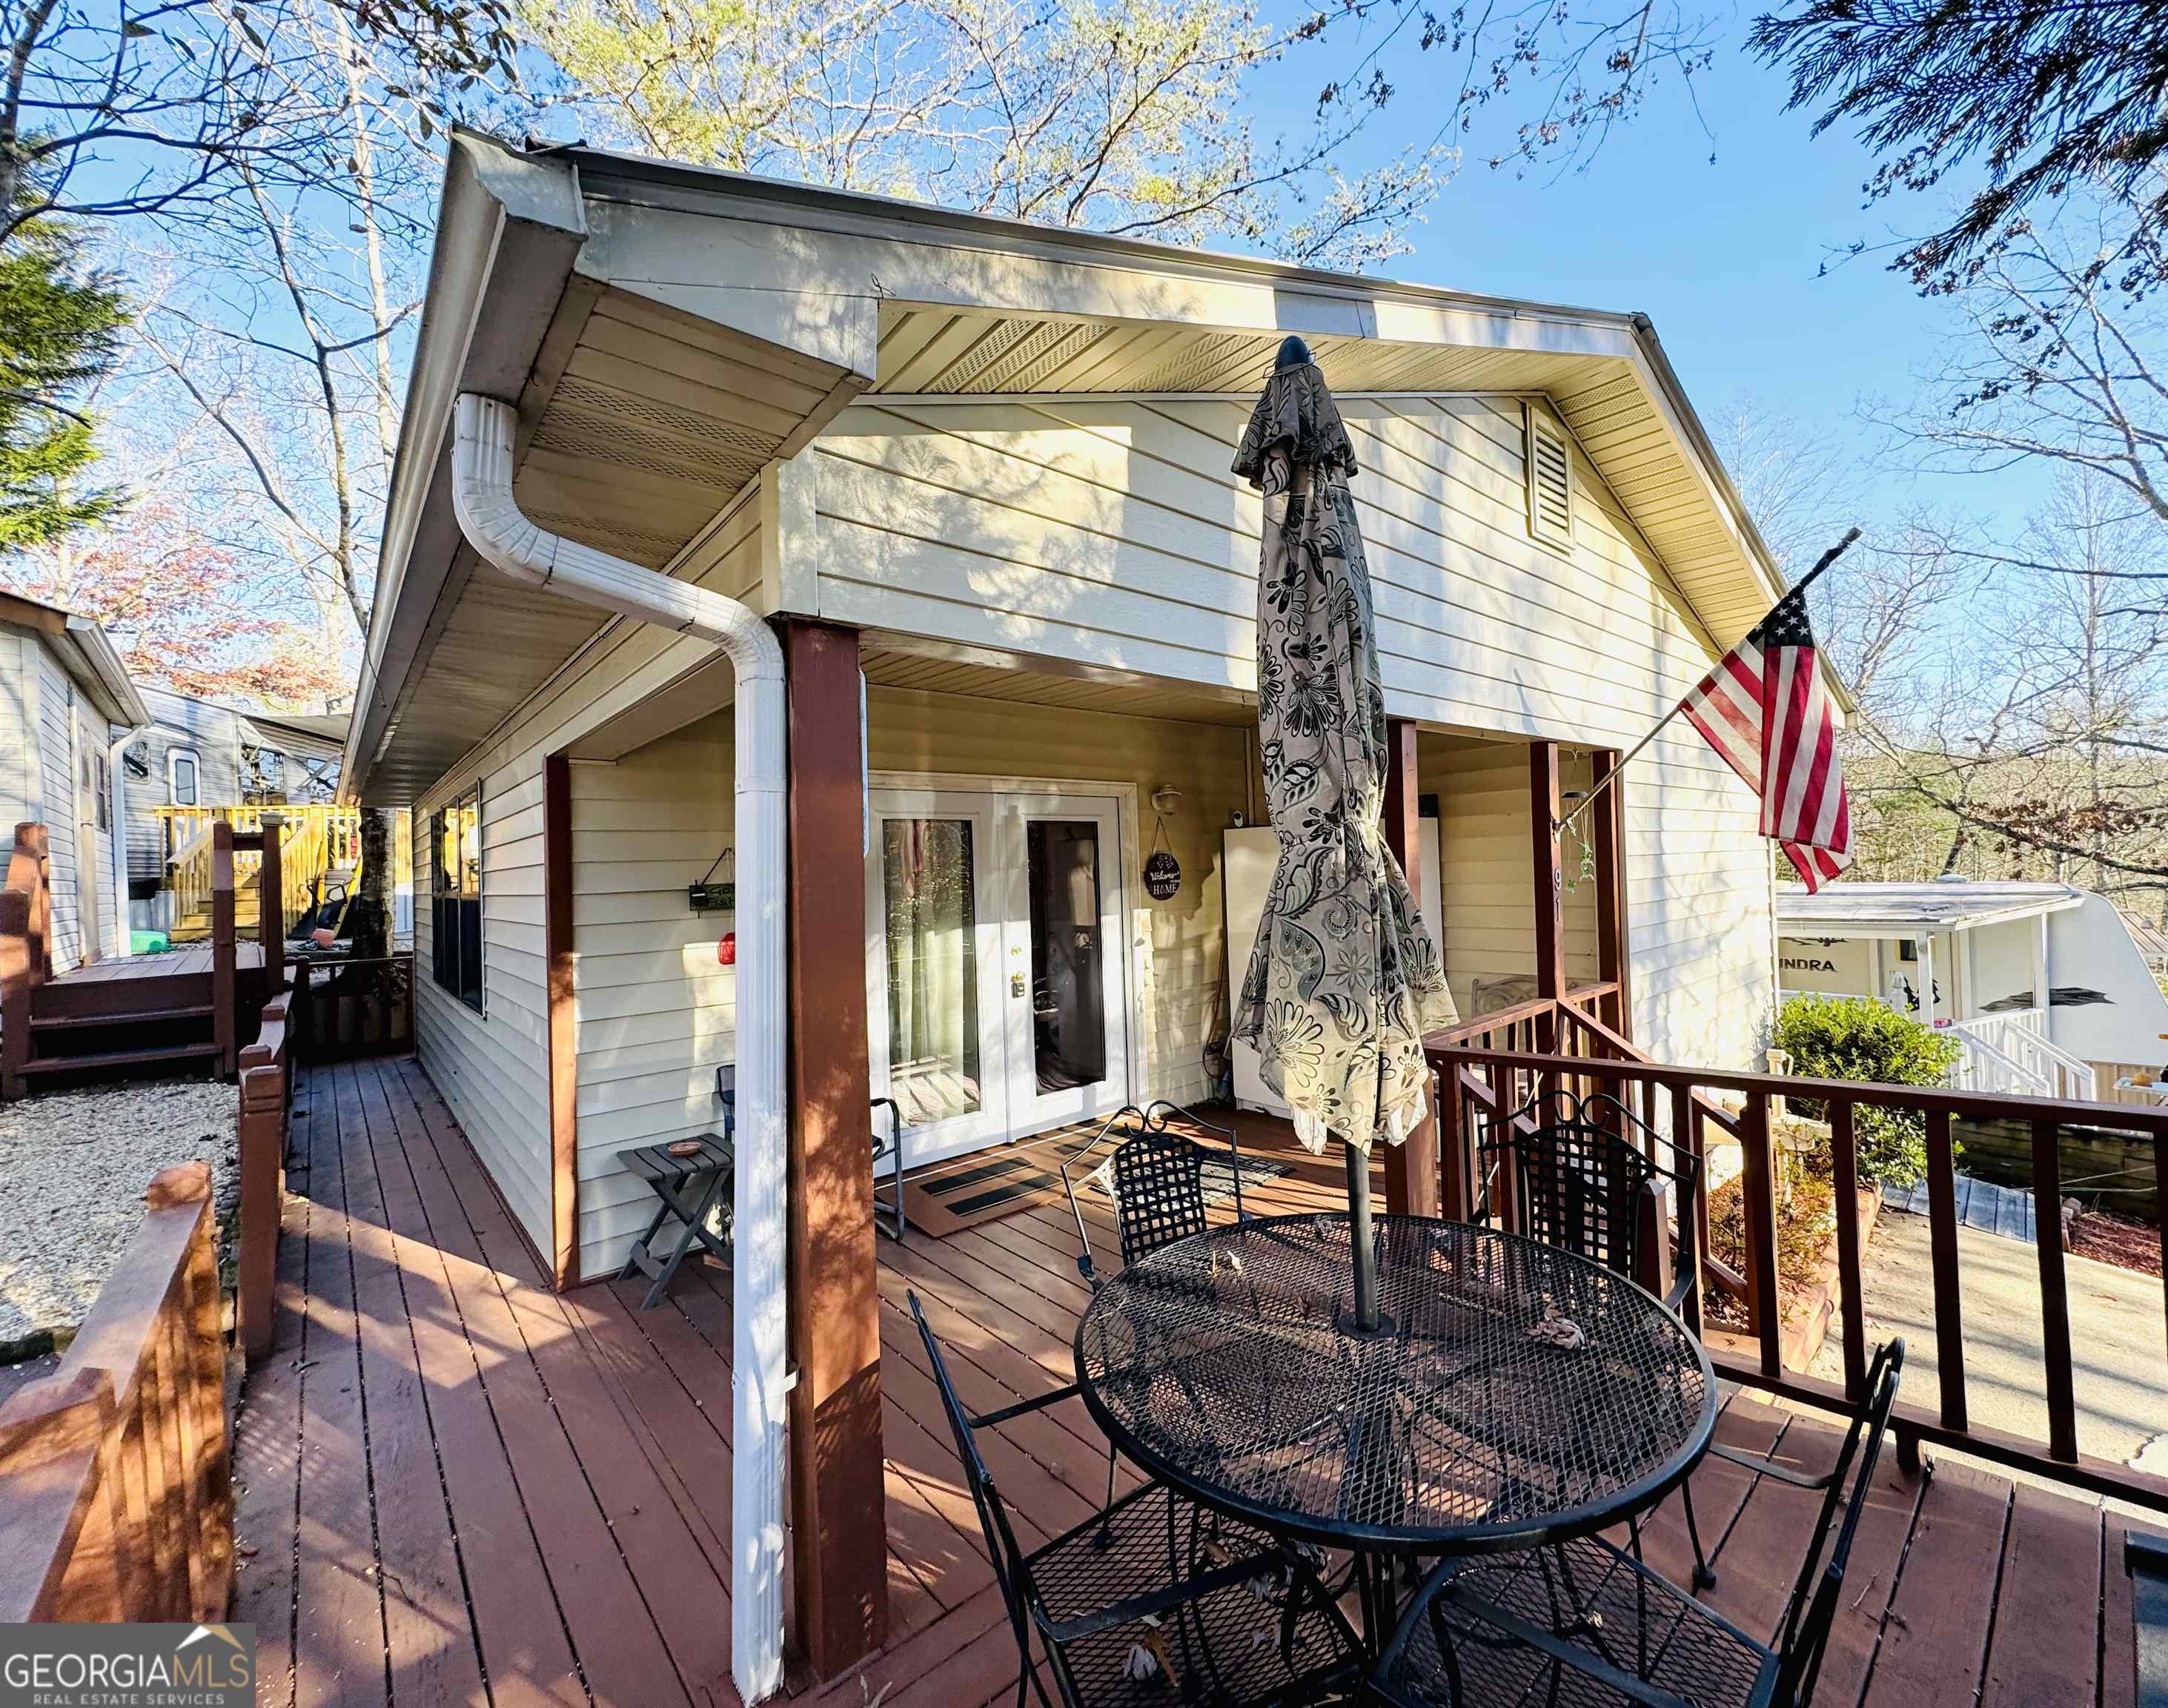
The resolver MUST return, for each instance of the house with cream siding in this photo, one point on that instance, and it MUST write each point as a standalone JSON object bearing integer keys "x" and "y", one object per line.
{"x": 879, "y": 571}
{"x": 65, "y": 704}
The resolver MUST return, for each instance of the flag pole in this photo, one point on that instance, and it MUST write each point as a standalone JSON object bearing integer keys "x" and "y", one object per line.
{"x": 1560, "y": 825}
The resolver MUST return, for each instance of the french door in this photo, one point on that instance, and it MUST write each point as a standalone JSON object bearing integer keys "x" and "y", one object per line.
{"x": 996, "y": 993}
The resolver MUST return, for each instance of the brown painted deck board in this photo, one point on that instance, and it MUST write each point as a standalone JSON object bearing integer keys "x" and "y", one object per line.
{"x": 2051, "y": 1587}
{"x": 573, "y": 1546}
{"x": 517, "y": 1626}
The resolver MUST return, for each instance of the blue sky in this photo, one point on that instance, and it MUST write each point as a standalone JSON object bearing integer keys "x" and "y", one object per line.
{"x": 1719, "y": 235}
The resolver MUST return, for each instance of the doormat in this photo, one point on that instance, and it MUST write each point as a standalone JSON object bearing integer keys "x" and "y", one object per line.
{"x": 988, "y": 1185}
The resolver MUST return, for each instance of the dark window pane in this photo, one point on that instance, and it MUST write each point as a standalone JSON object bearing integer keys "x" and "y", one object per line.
{"x": 1068, "y": 980}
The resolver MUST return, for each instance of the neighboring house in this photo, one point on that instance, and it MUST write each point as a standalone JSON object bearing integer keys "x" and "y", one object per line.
{"x": 199, "y": 752}
{"x": 1999, "y": 962}
{"x": 64, "y": 697}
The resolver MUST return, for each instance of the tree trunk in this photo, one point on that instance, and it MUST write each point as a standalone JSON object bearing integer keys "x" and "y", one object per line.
{"x": 372, "y": 904}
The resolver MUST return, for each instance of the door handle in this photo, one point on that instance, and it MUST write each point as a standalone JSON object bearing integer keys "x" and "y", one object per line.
{"x": 1015, "y": 984}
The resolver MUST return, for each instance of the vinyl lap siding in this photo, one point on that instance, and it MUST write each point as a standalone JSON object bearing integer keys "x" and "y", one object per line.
{"x": 1111, "y": 533}
{"x": 492, "y": 1068}
{"x": 656, "y": 1009}
{"x": 16, "y": 703}
{"x": 56, "y": 804}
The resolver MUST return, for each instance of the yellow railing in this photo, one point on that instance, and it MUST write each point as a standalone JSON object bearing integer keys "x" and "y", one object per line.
{"x": 316, "y": 839}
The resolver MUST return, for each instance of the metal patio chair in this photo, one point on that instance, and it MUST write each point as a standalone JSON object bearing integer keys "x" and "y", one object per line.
{"x": 888, "y": 1218}
{"x": 1155, "y": 1177}
{"x": 1587, "y": 1623}
{"x": 1157, "y": 1599}
{"x": 1584, "y": 1181}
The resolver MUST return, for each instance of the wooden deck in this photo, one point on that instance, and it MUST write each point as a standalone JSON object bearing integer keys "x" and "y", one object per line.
{"x": 184, "y": 961}
{"x": 458, "y": 1486}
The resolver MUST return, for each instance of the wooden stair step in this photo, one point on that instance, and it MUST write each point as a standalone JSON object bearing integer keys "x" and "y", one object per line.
{"x": 121, "y": 1058}
{"x": 135, "y": 1016}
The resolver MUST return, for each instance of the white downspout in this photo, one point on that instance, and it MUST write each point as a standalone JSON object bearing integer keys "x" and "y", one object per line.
{"x": 491, "y": 520}
{"x": 116, "y": 767}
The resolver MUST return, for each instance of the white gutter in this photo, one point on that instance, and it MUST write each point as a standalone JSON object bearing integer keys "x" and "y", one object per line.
{"x": 491, "y": 519}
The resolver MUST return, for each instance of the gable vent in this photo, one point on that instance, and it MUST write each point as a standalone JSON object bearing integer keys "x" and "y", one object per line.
{"x": 1550, "y": 481}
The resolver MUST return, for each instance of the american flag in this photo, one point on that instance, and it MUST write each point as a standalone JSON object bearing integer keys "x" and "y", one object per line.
{"x": 1765, "y": 711}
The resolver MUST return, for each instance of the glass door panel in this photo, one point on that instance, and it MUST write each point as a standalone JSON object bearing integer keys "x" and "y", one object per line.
{"x": 933, "y": 1009}
{"x": 930, "y": 920}
{"x": 1069, "y": 983}
{"x": 1069, "y": 1051}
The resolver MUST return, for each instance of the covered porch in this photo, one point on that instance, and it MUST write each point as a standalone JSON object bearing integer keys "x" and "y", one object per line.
{"x": 458, "y": 1485}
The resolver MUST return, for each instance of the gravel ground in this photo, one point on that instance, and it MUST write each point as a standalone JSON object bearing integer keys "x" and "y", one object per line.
{"x": 73, "y": 1166}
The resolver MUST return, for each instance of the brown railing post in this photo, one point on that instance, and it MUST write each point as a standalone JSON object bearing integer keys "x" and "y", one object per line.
{"x": 1759, "y": 1185}
{"x": 1942, "y": 1245}
{"x": 1844, "y": 1152}
{"x": 1607, "y": 845}
{"x": 262, "y": 1146}
{"x": 1548, "y": 877}
{"x": 2054, "y": 1291}
{"x": 222, "y": 945}
{"x": 15, "y": 987}
{"x": 1455, "y": 1203}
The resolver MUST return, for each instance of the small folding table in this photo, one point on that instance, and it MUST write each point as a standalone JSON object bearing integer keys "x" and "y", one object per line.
{"x": 691, "y": 1187}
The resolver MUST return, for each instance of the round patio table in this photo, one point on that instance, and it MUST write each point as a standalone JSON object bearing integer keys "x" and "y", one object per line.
{"x": 1519, "y": 1396}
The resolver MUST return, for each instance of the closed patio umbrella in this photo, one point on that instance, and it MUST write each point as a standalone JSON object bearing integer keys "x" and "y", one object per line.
{"x": 1344, "y": 981}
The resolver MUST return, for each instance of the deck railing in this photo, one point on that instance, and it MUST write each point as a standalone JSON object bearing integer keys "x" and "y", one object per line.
{"x": 316, "y": 839}
{"x": 1491, "y": 1083}
{"x": 2012, "y": 1052}
{"x": 115, "y": 1475}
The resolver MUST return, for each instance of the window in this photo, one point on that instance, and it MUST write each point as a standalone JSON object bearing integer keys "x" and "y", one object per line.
{"x": 1550, "y": 479}
{"x": 105, "y": 787}
{"x": 455, "y": 897}
{"x": 182, "y": 767}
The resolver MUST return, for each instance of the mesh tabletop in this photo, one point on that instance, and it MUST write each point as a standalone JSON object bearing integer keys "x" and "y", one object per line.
{"x": 1520, "y": 1393}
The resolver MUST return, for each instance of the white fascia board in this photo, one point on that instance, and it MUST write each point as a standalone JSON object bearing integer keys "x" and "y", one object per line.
{"x": 818, "y": 291}
{"x": 97, "y": 666}
{"x": 509, "y": 227}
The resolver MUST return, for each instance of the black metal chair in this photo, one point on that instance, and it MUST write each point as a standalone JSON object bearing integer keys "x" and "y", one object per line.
{"x": 1584, "y": 1180}
{"x": 888, "y": 1218}
{"x": 1587, "y": 1623}
{"x": 1157, "y": 1599}
{"x": 1155, "y": 1178}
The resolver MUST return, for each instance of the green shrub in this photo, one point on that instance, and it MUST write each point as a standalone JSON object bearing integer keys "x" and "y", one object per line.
{"x": 1846, "y": 1038}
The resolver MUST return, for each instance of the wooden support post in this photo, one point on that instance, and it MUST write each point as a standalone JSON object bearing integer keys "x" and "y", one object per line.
{"x": 222, "y": 994}
{"x": 1411, "y": 1168}
{"x": 262, "y": 1146}
{"x": 838, "y": 1501}
{"x": 271, "y": 904}
{"x": 1607, "y": 833}
{"x": 562, "y": 1038}
{"x": 1545, "y": 808}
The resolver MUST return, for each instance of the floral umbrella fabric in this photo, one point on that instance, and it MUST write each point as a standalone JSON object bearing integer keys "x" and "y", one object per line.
{"x": 1344, "y": 981}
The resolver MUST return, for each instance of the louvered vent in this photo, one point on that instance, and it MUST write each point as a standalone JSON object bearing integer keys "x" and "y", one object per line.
{"x": 1550, "y": 481}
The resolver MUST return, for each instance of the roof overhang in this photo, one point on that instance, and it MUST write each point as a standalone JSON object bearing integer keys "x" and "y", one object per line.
{"x": 558, "y": 275}
{"x": 86, "y": 652}
{"x": 1906, "y": 910}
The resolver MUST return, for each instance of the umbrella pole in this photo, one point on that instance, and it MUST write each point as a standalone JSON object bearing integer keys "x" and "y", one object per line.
{"x": 1367, "y": 1318}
